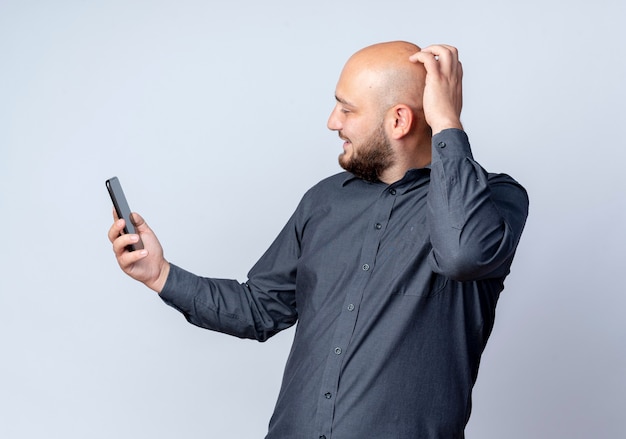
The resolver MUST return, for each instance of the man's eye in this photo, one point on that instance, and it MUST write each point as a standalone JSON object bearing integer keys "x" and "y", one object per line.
{"x": 345, "y": 111}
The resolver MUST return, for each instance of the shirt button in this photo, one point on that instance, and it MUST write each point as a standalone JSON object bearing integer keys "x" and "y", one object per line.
{"x": 351, "y": 307}
{"x": 327, "y": 395}
{"x": 378, "y": 226}
{"x": 392, "y": 191}
{"x": 338, "y": 351}
{"x": 322, "y": 437}
{"x": 441, "y": 144}
{"x": 366, "y": 267}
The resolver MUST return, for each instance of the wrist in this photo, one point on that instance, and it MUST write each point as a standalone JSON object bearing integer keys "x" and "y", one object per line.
{"x": 159, "y": 283}
{"x": 444, "y": 125}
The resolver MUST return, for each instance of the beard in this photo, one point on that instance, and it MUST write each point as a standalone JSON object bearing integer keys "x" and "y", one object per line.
{"x": 371, "y": 158}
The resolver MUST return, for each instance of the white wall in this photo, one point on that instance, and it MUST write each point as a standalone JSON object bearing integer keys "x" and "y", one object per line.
{"x": 213, "y": 116}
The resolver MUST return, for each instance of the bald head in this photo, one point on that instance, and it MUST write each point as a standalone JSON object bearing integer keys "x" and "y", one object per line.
{"x": 384, "y": 70}
{"x": 379, "y": 112}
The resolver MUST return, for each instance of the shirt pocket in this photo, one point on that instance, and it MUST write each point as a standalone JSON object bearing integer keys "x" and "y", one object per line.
{"x": 409, "y": 271}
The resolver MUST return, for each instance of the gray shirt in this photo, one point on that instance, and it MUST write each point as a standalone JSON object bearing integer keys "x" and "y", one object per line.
{"x": 393, "y": 288}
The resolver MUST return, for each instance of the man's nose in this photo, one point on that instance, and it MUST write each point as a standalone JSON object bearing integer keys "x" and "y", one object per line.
{"x": 334, "y": 120}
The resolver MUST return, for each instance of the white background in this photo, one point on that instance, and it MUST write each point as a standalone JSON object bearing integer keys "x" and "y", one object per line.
{"x": 213, "y": 117}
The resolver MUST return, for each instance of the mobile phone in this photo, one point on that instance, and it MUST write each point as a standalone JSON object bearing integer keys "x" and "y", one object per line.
{"x": 123, "y": 211}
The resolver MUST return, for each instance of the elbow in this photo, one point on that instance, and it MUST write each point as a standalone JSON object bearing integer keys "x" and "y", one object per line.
{"x": 475, "y": 254}
{"x": 459, "y": 265}
{"x": 470, "y": 263}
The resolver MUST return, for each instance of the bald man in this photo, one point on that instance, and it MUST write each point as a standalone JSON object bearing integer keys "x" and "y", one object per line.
{"x": 391, "y": 270}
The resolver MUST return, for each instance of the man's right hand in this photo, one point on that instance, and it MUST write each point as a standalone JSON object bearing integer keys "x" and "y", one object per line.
{"x": 147, "y": 265}
{"x": 443, "y": 94}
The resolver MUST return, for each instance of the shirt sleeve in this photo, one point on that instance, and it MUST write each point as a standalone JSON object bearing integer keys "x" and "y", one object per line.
{"x": 256, "y": 309}
{"x": 475, "y": 218}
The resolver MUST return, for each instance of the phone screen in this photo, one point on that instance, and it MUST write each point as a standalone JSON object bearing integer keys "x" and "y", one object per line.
{"x": 121, "y": 207}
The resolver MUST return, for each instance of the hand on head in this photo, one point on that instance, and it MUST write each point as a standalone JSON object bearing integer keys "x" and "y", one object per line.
{"x": 443, "y": 94}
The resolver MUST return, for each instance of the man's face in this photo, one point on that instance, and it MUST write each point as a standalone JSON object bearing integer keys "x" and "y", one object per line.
{"x": 359, "y": 120}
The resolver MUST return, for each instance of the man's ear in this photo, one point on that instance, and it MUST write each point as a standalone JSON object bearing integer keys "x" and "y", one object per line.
{"x": 402, "y": 117}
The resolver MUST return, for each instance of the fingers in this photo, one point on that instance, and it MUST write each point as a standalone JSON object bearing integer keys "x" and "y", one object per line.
{"x": 436, "y": 51}
{"x": 127, "y": 259}
{"x": 443, "y": 94}
{"x": 121, "y": 241}
{"x": 439, "y": 57}
{"x": 145, "y": 264}
{"x": 116, "y": 229}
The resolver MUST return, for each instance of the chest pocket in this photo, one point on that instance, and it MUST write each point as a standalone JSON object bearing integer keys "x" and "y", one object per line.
{"x": 405, "y": 257}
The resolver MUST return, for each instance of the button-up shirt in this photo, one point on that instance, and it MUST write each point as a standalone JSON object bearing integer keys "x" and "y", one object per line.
{"x": 393, "y": 289}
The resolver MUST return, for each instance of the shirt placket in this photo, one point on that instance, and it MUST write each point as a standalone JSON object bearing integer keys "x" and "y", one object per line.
{"x": 346, "y": 322}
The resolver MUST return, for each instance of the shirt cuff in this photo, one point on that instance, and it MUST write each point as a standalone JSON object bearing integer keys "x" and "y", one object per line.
{"x": 450, "y": 143}
{"x": 177, "y": 288}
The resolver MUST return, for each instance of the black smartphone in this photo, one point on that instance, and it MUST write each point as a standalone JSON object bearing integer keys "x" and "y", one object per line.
{"x": 123, "y": 211}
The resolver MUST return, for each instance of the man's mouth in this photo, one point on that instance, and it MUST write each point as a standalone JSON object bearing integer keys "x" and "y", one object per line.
{"x": 346, "y": 141}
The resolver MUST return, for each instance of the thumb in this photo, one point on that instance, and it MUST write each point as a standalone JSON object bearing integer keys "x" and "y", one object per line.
{"x": 139, "y": 222}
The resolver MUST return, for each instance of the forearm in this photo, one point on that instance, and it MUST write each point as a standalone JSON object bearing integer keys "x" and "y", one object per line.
{"x": 475, "y": 219}
{"x": 226, "y": 306}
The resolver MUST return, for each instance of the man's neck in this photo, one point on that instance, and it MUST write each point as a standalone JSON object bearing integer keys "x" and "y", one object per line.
{"x": 408, "y": 157}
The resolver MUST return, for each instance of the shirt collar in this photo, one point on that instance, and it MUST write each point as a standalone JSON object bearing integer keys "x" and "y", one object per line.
{"x": 411, "y": 180}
